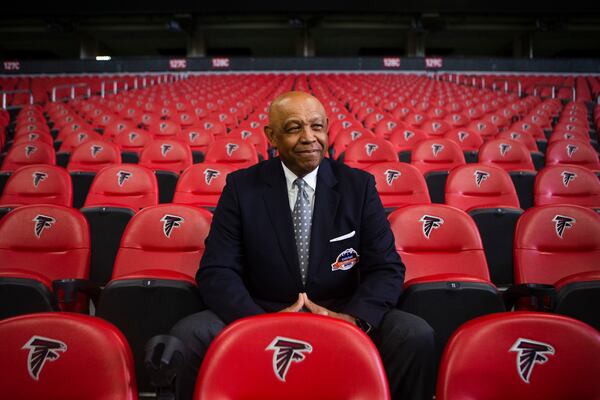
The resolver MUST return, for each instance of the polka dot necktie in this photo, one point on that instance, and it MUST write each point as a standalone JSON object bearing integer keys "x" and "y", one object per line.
{"x": 302, "y": 216}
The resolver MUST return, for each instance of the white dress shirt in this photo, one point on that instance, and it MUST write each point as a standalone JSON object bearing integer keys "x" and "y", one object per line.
{"x": 311, "y": 186}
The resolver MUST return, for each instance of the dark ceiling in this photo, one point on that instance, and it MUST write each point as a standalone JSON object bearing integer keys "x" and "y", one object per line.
{"x": 58, "y": 30}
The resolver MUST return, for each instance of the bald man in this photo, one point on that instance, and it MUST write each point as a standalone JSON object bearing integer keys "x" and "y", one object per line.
{"x": 258, "y": 260}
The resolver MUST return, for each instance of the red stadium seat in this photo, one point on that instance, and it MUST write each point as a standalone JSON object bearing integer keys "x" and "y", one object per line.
{"x": 572, "y": 152}
{"x": 201, "y": 184}
{"x": 166, "y": 155}
{"x": 198, "y": 139}
{"x": 43, "y": 357}
{"x": 521, "y": 355}
{"x": 244, "y": 355}
{"x": 40, "y": 244}
{"x": 437, "y": 155}
{"x": 486, "y": 192}
{"x": 447, "y": 279}
{"x": 255, "y": 137}
{"x": 75, "y": 139}
{"x": 26, "y": 153}
{"x": 93, "y": 155}
{"x": 399, "y": 184}
{"x": 514, "y": 157}
{"x": 559, "y": 245}
{"x": 153, "y": 285}
{"x": 469, "y": 142}
{"x": 133, "y": 141}
{"x": 404, "y": 141}
{"x": 510, "y": 155}
{"x": 234, "y": 151}
{"x": 567, "y": 184}
{"x": 115, "y": 195}
{"x": 368, "y": 151}
{"x": 37, "y": 184}
{"x": 164, "y": 129}
{"x": 346, "y": 136}
{"x": 435, "y": 158}
{"x": 32, "y": 137}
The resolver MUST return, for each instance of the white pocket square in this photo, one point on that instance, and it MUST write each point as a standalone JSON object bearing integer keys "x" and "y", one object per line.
{"x": 346, "y": 236}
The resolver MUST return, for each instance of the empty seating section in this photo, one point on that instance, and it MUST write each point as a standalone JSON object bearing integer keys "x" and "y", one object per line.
{"x": 483, "y": 188}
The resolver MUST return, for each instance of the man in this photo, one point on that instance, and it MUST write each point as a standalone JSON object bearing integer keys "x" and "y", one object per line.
{"x": 302, "y": 233}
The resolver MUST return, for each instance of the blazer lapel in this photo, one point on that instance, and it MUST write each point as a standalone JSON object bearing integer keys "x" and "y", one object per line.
{"x": 325, "y": 209}
{"x": 277, "y": 202}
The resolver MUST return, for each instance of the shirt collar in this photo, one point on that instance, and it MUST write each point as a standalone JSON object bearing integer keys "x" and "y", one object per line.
{"x": 310, "y": 178}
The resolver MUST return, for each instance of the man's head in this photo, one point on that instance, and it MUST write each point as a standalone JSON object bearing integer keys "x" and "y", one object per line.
{"x": 298, "y": 129}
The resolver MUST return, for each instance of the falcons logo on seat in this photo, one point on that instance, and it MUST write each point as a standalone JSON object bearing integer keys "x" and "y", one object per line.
{"x": 515, "y": 135}
{"x": 463, "y": 135}
{"x": 356, "y": 134}
{"x": 42, "y": 222}
{"x": 287, "y": 350}
{"x": 95, "y": 149}
{"x": 346, "y": 124}
{"x": 481, "y": 126}
{"x": 567, "y": 177}
{"x": 436, "y": 126}
{"x": 123, "y": 176}
{"x": 208, "y": 125}
{"x": 370, "y": 148}
{"x": 391, "y": 125}
{"x": 391, "y": 175}
{"x": 193, "y": 136}
{"x": 436, "y": 148}
{"x": 231, "y": 147}
{"x": 429, "y": 223}
{"x": 163, "y": 126}
{"x": 569, "y": 136}
{"x": 42, "y": 349}
{"x": 170, "y": 222}
{"x": 480, "y": 176}
{"x": 222, "y": 117}
{"x": 571, "y": 149}
{"x": 29, "y": 150}
{"x": 165, "y": 148}
{"x": 81, "y": 137}
{"x": 562, "y": 222}
{"x": 504, "y": 148}
{"x": 210, "y": 174}
{"x": 408, "y": 135}
{"x": 132, "y": 137}
{"x": 246, "y": 134}
{"x": 529, "y": 353}
{"x": 33, "y": 137}
{"x": 38, "y": 177}
{"x": 254, "y": 124}
{"x": 379, "y": 117}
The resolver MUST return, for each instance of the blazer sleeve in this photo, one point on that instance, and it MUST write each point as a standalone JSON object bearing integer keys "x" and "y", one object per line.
{"x": 220, "y": 276}
{"x": 381, "y": 270}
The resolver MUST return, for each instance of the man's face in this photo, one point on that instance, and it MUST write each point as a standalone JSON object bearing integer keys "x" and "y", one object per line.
{"x": 298, "y": 129}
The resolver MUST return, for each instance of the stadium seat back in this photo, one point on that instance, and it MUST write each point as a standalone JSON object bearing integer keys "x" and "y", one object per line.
{"x": 399, "y": 184}
{"x": 201, "y": 184}
{"x": 43, "y": 357}
{"x": 234, "y": 151}
{"x": 94, "y": 155}
{"x": 567, "y": 184}
{"x": 165, "y": 237}
{"x": 166, "y": 155}
{"x": 367, "y": 151}
{"x": 244, "y": 361}
{"x": 521, "y": 355}
{"x": 27, "y": 153}
{"x": 510, "y": 155}
{"x": 38, "y": 184}
{"x": 555, "y": 241}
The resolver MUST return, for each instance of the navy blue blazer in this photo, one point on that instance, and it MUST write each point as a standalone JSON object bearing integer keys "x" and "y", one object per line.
{"x": 250, "y": 265}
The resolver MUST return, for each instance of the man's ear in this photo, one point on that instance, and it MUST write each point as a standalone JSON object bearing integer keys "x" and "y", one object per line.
{"x": 270, "y": 135}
